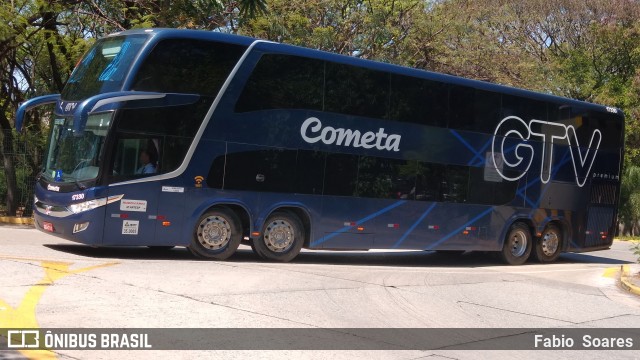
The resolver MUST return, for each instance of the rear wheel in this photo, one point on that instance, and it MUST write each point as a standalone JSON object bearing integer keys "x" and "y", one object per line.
{"x": 282, "y": 237}
{"x": 517, "y": 245}
{"x": 217, "y": 235}
{"x": 548, "y": 247}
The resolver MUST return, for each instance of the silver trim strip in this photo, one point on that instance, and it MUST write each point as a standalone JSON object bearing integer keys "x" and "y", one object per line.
{"x": 196, "y": 140}
{"x": 124, "y": 98}
{"x": 63, "y": 211}
{"x": 54, "y": 211}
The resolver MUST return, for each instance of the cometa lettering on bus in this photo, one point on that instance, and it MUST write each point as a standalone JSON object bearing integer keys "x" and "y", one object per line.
{"x": 348, "y": 137}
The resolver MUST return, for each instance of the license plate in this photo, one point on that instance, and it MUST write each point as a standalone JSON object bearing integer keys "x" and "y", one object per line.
{"x": 47, "y": 226}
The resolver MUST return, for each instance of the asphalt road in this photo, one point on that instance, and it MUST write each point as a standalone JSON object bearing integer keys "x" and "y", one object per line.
{"x": 47, "y": 282}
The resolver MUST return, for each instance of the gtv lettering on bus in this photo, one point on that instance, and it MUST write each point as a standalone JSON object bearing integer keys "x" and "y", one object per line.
{"x": 312, "y": 131}
{"x": 515, "y": 127}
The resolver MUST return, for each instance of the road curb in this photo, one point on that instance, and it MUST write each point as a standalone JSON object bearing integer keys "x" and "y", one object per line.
{"x": 16, "y": 220}
{"x": 626, "y": 282}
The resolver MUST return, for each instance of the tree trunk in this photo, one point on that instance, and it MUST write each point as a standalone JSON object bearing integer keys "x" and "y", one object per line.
{"x": 12, "y": 184}
{"x": 9, "y": 169}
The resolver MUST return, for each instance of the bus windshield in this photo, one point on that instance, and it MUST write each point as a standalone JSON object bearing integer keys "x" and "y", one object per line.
{"x": 104, "y": 67}
{"x": 71, "y": 158}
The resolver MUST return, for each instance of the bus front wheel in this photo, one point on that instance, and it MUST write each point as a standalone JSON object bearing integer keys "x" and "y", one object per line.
{"x": 217, "y": 235}
{"x": 517, "y": 245}
{"x": 548, "y": 247}
{"x": 282, "y": 237}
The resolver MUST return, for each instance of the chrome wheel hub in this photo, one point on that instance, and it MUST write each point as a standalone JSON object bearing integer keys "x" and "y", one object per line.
{"x": 518, "y": 243}
{"x": 279, "y": 236}
{"x": 550, "y": 243}
{"x": 214, "y": 232}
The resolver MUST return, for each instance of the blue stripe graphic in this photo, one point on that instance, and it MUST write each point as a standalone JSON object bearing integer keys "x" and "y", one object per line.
{"x": 404, "y": 236}
{"x": 554, "y": 172}
{"x": 468, "y": 146}
{"x": 359, "y": 222}
{"x": 458, "y": 230}
{"x": 480, "y": 153}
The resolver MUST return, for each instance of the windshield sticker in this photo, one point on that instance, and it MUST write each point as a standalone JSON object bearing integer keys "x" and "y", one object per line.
{"x": 130, "y": 227}
{"x": 312, "y": 131}
{"x": 133, "y": 205}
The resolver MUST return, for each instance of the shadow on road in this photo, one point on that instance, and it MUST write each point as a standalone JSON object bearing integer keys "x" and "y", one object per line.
{"x": 377, "y": 258}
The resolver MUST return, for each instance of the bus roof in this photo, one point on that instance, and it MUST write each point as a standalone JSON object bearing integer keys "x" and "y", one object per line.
{"x": 274, "y": 47}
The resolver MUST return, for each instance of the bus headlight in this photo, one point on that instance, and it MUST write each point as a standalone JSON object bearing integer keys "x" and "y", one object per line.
{"x": 93, "y": 204}
{"x": 87, "y": 205}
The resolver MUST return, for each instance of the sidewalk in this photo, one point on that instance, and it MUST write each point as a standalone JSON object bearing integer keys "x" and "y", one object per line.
{"x": 630, "y": 278}
{"x": 13, "y": 220}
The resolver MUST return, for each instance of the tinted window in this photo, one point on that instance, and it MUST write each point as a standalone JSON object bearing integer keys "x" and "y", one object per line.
{"x": 461, "y": 112}
{"x": 487, "y": 112}
{"x": 356, "y": 91}
{"x": 455, "y": 183}
{"x": 418, "y": 101}
{"x": 341, "y": 175}
{"x": 489, "y": 189}
{"x": 524, "y": 108}
{"x": 386, "y": 178}
{"x": 283, "y": 82}
{"x": 429, "y": 181}
{"x": 104, "y": 67}
{"x": 157, "y": 132}
{"x": 260, "y": 169}
{"x": 310, "y": 172}
{"x": 586, "y": 122}
{"x": 473, "y": 109}
{"x": 437, "y": 182}
{"x": 215, "y": 178}
{"x": 187, "y": 66}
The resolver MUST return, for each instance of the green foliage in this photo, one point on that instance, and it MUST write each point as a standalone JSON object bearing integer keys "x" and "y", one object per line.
{"x": 636, "y": 250}
{"x": 629, "y": 212}
{"x": 41, "y": 41}
{"x": 585, "y": 50}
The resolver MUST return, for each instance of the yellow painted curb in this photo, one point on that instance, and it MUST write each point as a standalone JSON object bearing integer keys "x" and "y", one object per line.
{"x": 626, "y": 282}
{"x": 16, "y": 220}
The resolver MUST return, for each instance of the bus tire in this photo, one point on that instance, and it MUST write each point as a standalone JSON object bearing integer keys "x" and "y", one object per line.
{"x": 217, "y": 235}
{"x": 549, "y": 245}
{"x": 282, "y": 237}
{"x": 517, "y": 244}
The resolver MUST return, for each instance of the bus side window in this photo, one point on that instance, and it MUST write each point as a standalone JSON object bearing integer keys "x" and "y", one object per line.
{"x": 356, "y": 91}
{"x": 429, "y": 182}
{"x": 418, "y": 101}
{"x": 187, "y": 66}
{"x": 386, "y": 178}
{"x": 136, "y": 157}
{"x": 283, "y": 82}
{"x": 455, "y": 183}
{"x": 310, "y": 172}
{"x": 341, "y": 175}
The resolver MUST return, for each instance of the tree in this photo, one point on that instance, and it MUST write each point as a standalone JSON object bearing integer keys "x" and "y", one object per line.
{"x": 41, "y": 40}
{"x": 630, "y": 200}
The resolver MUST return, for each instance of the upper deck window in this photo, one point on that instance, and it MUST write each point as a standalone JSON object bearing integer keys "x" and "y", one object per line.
{"x": 187, "y": 66}
{"x": 104, "y": 67}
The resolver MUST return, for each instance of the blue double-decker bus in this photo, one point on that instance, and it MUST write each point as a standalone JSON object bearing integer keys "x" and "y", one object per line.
{"x": 167, "y": 138}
